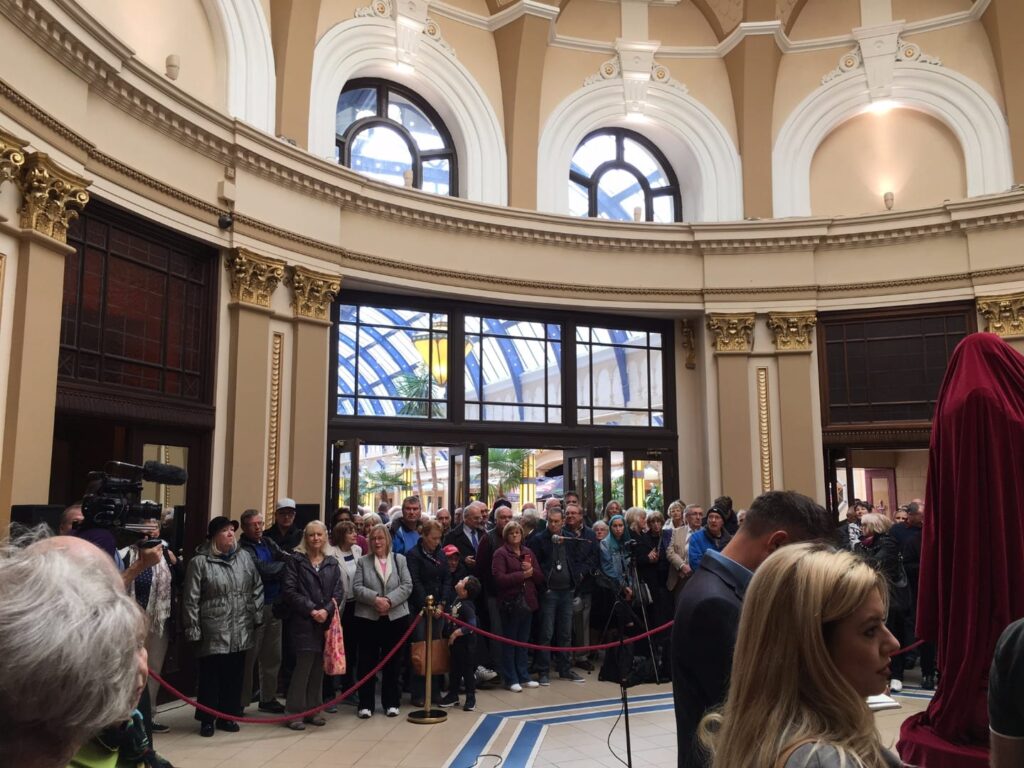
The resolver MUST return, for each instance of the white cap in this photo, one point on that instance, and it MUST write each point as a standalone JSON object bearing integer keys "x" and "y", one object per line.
{"x": 285, "y": 504}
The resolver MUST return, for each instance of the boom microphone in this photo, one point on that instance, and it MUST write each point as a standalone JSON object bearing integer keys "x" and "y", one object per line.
{"x": 556, "y": 539}
{"x": 167, "y": 474}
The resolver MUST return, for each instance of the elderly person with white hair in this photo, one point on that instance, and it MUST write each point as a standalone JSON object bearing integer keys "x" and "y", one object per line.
{"x": 73, "y": 641}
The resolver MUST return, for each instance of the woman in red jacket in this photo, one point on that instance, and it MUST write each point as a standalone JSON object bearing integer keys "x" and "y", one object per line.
{"x": 518, "y": 577}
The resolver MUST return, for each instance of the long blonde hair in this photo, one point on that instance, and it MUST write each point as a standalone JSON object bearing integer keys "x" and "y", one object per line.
{"x": 784, "y": 686}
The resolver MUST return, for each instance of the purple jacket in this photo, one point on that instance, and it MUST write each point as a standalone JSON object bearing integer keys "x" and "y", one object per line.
{"x": 508, "y": 575}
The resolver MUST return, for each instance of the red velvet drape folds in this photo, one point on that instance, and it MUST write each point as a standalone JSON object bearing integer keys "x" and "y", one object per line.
{"x": 972, "y": 553}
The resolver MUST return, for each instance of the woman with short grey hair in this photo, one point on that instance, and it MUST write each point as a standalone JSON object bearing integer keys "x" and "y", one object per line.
{"x": 222, "y": 606}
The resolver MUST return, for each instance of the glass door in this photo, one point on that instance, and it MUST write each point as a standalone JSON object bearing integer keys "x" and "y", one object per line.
{"x": 649, "y": 479}
{"x": 344, "y": 486}
{"x": 588, "y": 472}
{"x": 467, "y": 475}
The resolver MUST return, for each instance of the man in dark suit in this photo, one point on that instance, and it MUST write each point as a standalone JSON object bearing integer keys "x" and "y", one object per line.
{"x": 708, "y": 611}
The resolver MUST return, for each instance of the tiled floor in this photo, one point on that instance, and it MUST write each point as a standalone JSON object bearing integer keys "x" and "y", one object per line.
{"x": 564, "y": 726}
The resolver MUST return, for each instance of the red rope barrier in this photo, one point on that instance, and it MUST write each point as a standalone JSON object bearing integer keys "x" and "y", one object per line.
{"x": 296, "y": 715}
{"x": 572, "y": 649}
{"x": 909, "y": 648}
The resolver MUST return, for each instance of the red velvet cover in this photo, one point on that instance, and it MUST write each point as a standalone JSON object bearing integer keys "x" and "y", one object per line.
{"x": 972, "y": 551}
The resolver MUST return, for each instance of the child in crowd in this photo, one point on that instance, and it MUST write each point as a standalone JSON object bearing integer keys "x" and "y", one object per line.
{"x": 462, "y": 643}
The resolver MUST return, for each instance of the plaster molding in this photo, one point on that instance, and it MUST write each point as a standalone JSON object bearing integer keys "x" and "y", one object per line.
{"x": 274, "y": 420}
{"x": 51, "y": 196}
{"x": 764, "y": 430}
{"x": 364, "y": 47}
{"x": 966, "y": 108}
{"x": 792, "y": 331}
{"x": 696, "y": 142}
{"x": 253, "y": 277}
{"x": 689, "y": 342}
{"x": 252, "y": 77}
{"x": 732, "y": 332}
{"x": 312, "y": 293}
{"x": 1004, "y": 315}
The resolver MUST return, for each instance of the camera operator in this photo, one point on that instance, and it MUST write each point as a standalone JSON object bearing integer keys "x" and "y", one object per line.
{"x": 75, "y": 663}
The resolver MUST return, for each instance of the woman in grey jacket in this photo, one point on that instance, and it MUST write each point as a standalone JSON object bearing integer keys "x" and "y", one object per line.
{"x": 223, "y": 604}
{"x": 382, "y": 586}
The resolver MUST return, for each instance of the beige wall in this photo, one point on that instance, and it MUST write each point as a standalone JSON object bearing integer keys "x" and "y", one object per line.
{"x": 334, "y": 12}
{"x": 905, "y": 152}
{"x": 156, "y": 28}
{"x": 800, "y": 75}
{"x": 682, "y": 24}
{"x": 474, "y": 48}
{"x": 826, "y": 18}
{"x": 964, "y": 48}
{"x": 591, "y": 20}
{"x": 918, "y": 10}
{"x": 911, "y": 471}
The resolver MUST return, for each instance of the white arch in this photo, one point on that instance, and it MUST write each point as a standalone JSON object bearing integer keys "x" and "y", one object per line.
{"x": 962, "y": 105}
{"x": 366, "y": 47}
{"x": 252, "y": 78}
{"x": 695, "y": 142}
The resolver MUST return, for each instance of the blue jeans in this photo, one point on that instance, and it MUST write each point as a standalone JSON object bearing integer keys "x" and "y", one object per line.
{"x": 515, "y": 626}
{"x": 555, "y": 622}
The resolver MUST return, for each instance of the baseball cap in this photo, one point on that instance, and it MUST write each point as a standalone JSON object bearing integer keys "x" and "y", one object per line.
{"x": 285, "y": 504}
{"x": 450, "y": 550}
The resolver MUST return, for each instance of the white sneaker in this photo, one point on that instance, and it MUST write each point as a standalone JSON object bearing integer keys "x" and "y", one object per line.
{"x": 531, "y": 684}
{"x": 516, "y": 688}
{"x": 895, "y": 686}
{"x": 392, "y": 712}
{"x": 364, "y": 714}
{"x": 483, "y": 674}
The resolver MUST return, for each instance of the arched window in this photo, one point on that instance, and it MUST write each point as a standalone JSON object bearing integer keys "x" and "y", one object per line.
{"x": 384, "y": 131}
{"x": 616, "y": 172}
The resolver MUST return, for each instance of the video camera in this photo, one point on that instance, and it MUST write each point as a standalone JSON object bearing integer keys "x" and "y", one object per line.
{"x": 113, "y": 496}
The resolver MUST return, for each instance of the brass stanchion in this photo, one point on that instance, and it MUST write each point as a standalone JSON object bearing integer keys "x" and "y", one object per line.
{"x": 429, "y": 714}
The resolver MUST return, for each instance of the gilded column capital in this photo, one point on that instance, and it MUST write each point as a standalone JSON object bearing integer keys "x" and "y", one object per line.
{"x": 732, "y": 332}
{"x": 313, "y": 293}
{"x": 253, "y": 277}
{"x": 792, "y": 331}
{"x": 52, "y": 196}
{"x": 12, "y": 156}
{"x": 1004, "y": 315}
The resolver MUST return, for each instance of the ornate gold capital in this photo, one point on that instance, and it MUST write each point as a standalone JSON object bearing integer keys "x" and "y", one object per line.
{"x": 733, "y": 333}
{"x": 253, "y": 277}
{"x": 313, "y": 293}
{"x": 1004, "y": 315}
{"x": 792, "y": 331}
{"x": 12, "y": 158}
{"x": 689, "y": 343}
{"x": 52, "y": 196}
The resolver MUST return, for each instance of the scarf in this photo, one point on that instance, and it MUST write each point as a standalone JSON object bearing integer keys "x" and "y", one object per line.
{"x": 152, "y": 590}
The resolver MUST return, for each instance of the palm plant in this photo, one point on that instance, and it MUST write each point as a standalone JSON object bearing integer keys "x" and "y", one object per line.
{"x": 423, "y": 397}
{"x": 504, "y": 470}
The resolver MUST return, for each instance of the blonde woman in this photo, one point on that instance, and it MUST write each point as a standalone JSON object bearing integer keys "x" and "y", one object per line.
{"x": 819, "y": 615}
{"x": 382, "y": 586}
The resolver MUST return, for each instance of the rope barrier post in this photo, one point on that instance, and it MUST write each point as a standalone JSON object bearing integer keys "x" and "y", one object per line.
{"x": 429, "y": 714}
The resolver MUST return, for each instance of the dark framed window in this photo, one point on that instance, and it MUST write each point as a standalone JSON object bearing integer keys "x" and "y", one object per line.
{"x": 384, "y": 131}
{"x": 617, "y": 174}
{"x": 138, "y": 307}
{"x": 888, "y": 365}
{"x": 453, "y": 369}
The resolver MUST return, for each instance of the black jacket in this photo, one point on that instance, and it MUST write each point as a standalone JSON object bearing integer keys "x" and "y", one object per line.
{"x": 883, "y": 553}
{"x": 586, "y": 557}
{"x": 429, "y": 575}
{"x": 272, "y": 572}
{"x": 544, "y": 548}
{"x": 307, "y": 590}
{"x": 654, "y": 574}
{"x": 287, "y": 541}
{"x": 703, "y": 640}
{"x": 459, "y": 538}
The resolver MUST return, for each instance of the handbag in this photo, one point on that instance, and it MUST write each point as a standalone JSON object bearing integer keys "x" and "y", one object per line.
{"x": 334, "y": 645}
{"x": 788, "y": 752}
{"x": 439, "y": 658}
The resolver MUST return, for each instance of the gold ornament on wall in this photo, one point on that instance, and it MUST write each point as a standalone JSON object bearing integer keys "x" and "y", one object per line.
{"x": 12, "y": 156}
{"x": 274, "y": 421}
{"x": 689, "y": 343}
{"x": 313, "y": 293}
{"x": 1004, "y": 315}
{"x": 253, "y": 277}
{"x": 732, "y": 332}
{"x": 764, "y": 430}
{"x": 792, "y": 331}
{"x": 52, "y": 197}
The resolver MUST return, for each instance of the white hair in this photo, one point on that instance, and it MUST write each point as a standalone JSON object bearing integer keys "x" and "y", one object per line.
{"x": 69, "y": 635}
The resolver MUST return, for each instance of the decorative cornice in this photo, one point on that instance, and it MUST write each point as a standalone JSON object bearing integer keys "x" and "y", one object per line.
{"x": 764, "y": 430}
{"x": 689, "y": 343}
{"x": 1004, "y": 315}
{"x": 52, "y": 196}
{"x": 792, "y": 331}
{"x": 314, "y": 292}
{"x": 253, "y": 277}
{"x": 12, "y": 158}
{"x": 732, "y": 332}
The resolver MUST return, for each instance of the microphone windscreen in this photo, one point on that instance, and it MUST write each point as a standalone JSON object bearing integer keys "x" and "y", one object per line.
{"x": 168, "y": 474}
